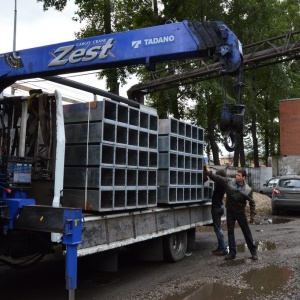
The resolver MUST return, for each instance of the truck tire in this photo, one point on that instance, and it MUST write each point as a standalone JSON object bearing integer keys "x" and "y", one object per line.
{"x": 174, "y": 246}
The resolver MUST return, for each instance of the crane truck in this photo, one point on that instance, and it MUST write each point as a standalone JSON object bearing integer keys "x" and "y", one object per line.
{"x": 96, "y": 176}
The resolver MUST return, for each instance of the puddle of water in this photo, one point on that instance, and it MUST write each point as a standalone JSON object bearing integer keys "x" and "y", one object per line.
{"x": 267, "y": 281}
{"x": 261, "y": 246}
{"x": 240, "y": 248}
{"x": 265, "y": 245}
{"x": 280, "y": 220}
{"x": 273, "y": 220}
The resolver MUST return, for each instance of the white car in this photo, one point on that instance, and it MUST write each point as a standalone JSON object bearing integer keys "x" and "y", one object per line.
{"x": 268, "y": 187}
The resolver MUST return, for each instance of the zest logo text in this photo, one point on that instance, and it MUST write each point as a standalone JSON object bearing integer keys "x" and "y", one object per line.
{"x": 66, "y": 54}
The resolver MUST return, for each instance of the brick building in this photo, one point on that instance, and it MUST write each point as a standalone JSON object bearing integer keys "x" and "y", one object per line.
{"x": 289, "y": 122}
{"x": 288, "y": 161}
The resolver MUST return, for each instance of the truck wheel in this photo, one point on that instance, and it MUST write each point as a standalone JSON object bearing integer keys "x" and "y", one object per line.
{"x": 174, "y": 246}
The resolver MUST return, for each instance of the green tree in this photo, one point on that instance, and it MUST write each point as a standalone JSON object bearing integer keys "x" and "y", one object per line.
{"x": 99, "y": 17}
{"x": 254, "y": 21}
{"x": 57, "y": 4}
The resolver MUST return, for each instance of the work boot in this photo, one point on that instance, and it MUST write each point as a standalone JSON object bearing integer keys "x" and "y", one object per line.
{"x": 230, "y": 256}
{"x": 254, "y": 256}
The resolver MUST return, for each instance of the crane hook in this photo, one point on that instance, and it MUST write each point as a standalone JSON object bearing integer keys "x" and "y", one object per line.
{"x": 232, "y": 121}
{"x": 230, "y": 141}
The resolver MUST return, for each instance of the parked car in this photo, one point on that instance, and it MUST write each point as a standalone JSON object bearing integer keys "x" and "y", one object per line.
{"x": 286, "y": 194}
{"x": 268, "y": 187}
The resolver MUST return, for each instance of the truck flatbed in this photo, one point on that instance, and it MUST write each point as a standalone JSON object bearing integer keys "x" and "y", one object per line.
{"x": 100, "y": 233}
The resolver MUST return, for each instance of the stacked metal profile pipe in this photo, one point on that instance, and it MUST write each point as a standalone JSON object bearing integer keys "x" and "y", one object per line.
{"x": 111, "y": 156}
{"x": 180, "y": 169}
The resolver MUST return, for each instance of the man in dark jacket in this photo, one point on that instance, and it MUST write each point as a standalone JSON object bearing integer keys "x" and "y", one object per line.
{"x": 217, "y": 211}
{"x": 237, "y": 192}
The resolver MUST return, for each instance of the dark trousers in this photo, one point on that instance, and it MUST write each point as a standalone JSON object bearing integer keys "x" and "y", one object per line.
{"x": 241, "y": 218}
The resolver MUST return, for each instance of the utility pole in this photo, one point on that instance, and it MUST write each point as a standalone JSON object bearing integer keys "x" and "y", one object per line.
{"x": 15, "y": 27}
{"x": 14, "y": 39}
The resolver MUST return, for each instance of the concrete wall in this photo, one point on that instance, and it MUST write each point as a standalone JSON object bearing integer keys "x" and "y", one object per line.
{"x": 289, "y": 165}
{"x": 285, "y": 165}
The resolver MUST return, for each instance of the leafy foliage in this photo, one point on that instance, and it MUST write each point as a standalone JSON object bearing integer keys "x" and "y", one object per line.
{"x": 57, "y": 4}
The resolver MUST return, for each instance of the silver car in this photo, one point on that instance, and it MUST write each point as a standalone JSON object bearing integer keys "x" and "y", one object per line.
{"x": 268, "y": 187}
{"x": 286, "y": 194}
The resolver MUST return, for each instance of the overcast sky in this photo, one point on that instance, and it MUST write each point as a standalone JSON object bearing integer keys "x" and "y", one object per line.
{"x": 38, "y": 28}
{"x": 34, "y": 26}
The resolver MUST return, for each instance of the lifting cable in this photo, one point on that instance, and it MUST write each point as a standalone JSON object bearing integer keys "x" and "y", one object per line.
{"x": 232, "y": 117}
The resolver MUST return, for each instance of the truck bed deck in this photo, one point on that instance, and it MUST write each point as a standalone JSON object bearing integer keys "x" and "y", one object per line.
{"x": 100, "y": 233}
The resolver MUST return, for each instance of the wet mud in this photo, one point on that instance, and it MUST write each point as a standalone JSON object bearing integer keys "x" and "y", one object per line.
{"x": 267, "y": 281}
{"x": 200, "y": 275}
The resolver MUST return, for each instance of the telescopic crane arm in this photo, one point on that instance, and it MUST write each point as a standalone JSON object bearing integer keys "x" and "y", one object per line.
{"x": 146, "y": 46}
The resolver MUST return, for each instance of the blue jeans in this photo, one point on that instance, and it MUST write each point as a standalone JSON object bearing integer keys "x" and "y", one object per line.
{"x": 241, "y": 218}
{"x": 217, "y": 213}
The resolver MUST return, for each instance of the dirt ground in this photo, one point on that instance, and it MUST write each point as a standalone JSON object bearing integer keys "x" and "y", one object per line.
{"x": 200, "y": 275}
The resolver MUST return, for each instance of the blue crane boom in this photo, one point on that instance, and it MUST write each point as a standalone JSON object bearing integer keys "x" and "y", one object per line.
{"x": 172, "y": 41}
